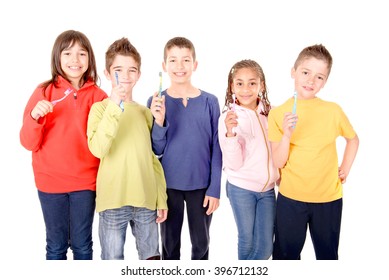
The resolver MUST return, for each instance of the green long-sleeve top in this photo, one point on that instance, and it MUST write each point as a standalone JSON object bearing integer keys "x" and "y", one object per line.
{"x": 129, "y": 173}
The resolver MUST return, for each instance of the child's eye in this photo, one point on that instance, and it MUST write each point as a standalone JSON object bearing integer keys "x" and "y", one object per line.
{"x": 305, "y": 73}
{"x": 253, "y": 84}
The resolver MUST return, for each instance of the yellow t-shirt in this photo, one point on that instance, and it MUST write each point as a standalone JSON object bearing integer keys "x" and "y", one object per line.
{"x": 311, "y": 171}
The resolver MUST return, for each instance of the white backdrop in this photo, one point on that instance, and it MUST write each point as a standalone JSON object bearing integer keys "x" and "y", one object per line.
{"x": 223, "y": 32}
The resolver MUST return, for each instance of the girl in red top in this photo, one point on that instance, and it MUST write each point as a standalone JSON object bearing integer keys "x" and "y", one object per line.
{"x": 54, "y": 129}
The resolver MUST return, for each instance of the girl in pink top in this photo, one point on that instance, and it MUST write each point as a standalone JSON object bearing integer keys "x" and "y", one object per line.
{"x": 247, "y": 161}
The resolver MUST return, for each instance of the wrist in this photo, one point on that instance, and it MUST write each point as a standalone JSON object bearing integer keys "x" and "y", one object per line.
{"x": 287, "y": 137}
{"x": 159, "y": 122}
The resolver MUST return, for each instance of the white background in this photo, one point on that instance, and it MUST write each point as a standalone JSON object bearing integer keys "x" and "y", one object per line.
{"x": 223, "y": 32}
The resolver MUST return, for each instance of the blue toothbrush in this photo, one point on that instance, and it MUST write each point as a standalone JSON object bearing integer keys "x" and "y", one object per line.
{"x": 121, "y": 105}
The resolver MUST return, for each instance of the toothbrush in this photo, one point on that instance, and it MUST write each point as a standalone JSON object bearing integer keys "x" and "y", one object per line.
{"x": 295, "y": 103}
{"x": 294, "y": 106}
{"x": 160, "y": 85}
{"x": 117, "y": 82}
{"x": 67, "y": 92}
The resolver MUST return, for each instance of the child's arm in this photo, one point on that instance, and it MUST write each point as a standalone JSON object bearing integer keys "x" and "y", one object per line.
{"x": 102, "y": 127}
{"x": 32, "y": 131}
{"x": 211, "y": 199}
{"x": 157, "y": 108}
{"x": 228, "y": 140}
{"x": 158, "y": 133}
{"x": 349, "y": 155}
{"x": 280, "y": 150}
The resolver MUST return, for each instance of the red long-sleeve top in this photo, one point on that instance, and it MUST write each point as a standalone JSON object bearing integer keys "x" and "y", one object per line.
{"x": 61, "y": 159}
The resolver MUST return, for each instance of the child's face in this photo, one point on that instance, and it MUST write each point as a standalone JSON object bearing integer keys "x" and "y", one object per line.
{"x": 246, "y": 85}
{"x": 74, "y": 63}
{"x": 179, "y": 64}
{"x": 127, "y": 71}
{"x": 310, "y": 77}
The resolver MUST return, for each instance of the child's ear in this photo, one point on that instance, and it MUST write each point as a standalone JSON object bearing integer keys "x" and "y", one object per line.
{"x": 164, "y": 66}
{"x": 107, "y": 74}
{"x": 195, "y": 65}
{"x": 292, "y": 72}
{"x": 139, "y": 73}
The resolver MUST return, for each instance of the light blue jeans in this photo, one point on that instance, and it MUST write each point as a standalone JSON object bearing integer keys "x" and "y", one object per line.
{"x": 254, "y": 214}
{"x": 113, "y": 227}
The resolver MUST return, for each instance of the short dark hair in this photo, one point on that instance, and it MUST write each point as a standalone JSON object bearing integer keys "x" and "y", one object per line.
{"x": 180, "y": 42}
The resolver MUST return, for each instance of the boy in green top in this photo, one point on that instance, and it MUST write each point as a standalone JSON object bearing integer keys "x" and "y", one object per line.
{"x": 304, "y": 149}
{"x": 131, "y": 185}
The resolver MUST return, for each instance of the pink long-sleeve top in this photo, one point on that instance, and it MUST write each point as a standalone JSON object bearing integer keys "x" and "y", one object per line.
{"x": 247, "y": 159}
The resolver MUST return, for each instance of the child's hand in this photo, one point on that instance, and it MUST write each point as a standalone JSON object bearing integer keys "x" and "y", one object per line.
{"x": 231, "y": 122}
{"x": 289, "y": 123}
{"x": 118, "y": 94}
{"x": 212, "y": 203}
{"x": 42, "y": 108}
{"x": 158, "y": 109}
{"x": 342, "y": 175}
{"x": 161, "y": 215}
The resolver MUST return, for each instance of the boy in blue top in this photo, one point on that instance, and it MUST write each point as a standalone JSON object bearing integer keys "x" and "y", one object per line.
{"x": 185, "y": 135}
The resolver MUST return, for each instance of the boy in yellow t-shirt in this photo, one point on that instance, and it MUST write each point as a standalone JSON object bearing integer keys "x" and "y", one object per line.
{"x": 303, "y": 134}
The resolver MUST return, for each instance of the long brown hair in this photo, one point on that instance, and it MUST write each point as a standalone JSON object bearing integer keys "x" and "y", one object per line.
{"x": 66, "y": 40}
{"x": 251, "y": 64}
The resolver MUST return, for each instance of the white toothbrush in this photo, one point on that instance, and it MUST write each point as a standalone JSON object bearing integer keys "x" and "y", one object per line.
{"x": 67, "y": 92}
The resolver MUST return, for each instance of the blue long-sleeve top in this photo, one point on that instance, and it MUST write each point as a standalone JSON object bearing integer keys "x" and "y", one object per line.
{"x": 188, "y": 143}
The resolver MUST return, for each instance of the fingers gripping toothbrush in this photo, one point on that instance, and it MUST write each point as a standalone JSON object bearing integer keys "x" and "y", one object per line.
{"x": 121, "y": 105}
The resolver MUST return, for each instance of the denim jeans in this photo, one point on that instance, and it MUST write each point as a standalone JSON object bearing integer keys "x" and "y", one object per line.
{"x": 113, "y": 227}
{"x": 68, "y": 219}
{"x": 254, "y": 214}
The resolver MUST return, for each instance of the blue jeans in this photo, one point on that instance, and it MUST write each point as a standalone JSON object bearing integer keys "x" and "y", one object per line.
{"x": 113, "y": 227}
{"x": 68, "y": 219}
{"x": 254, "y": 214}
